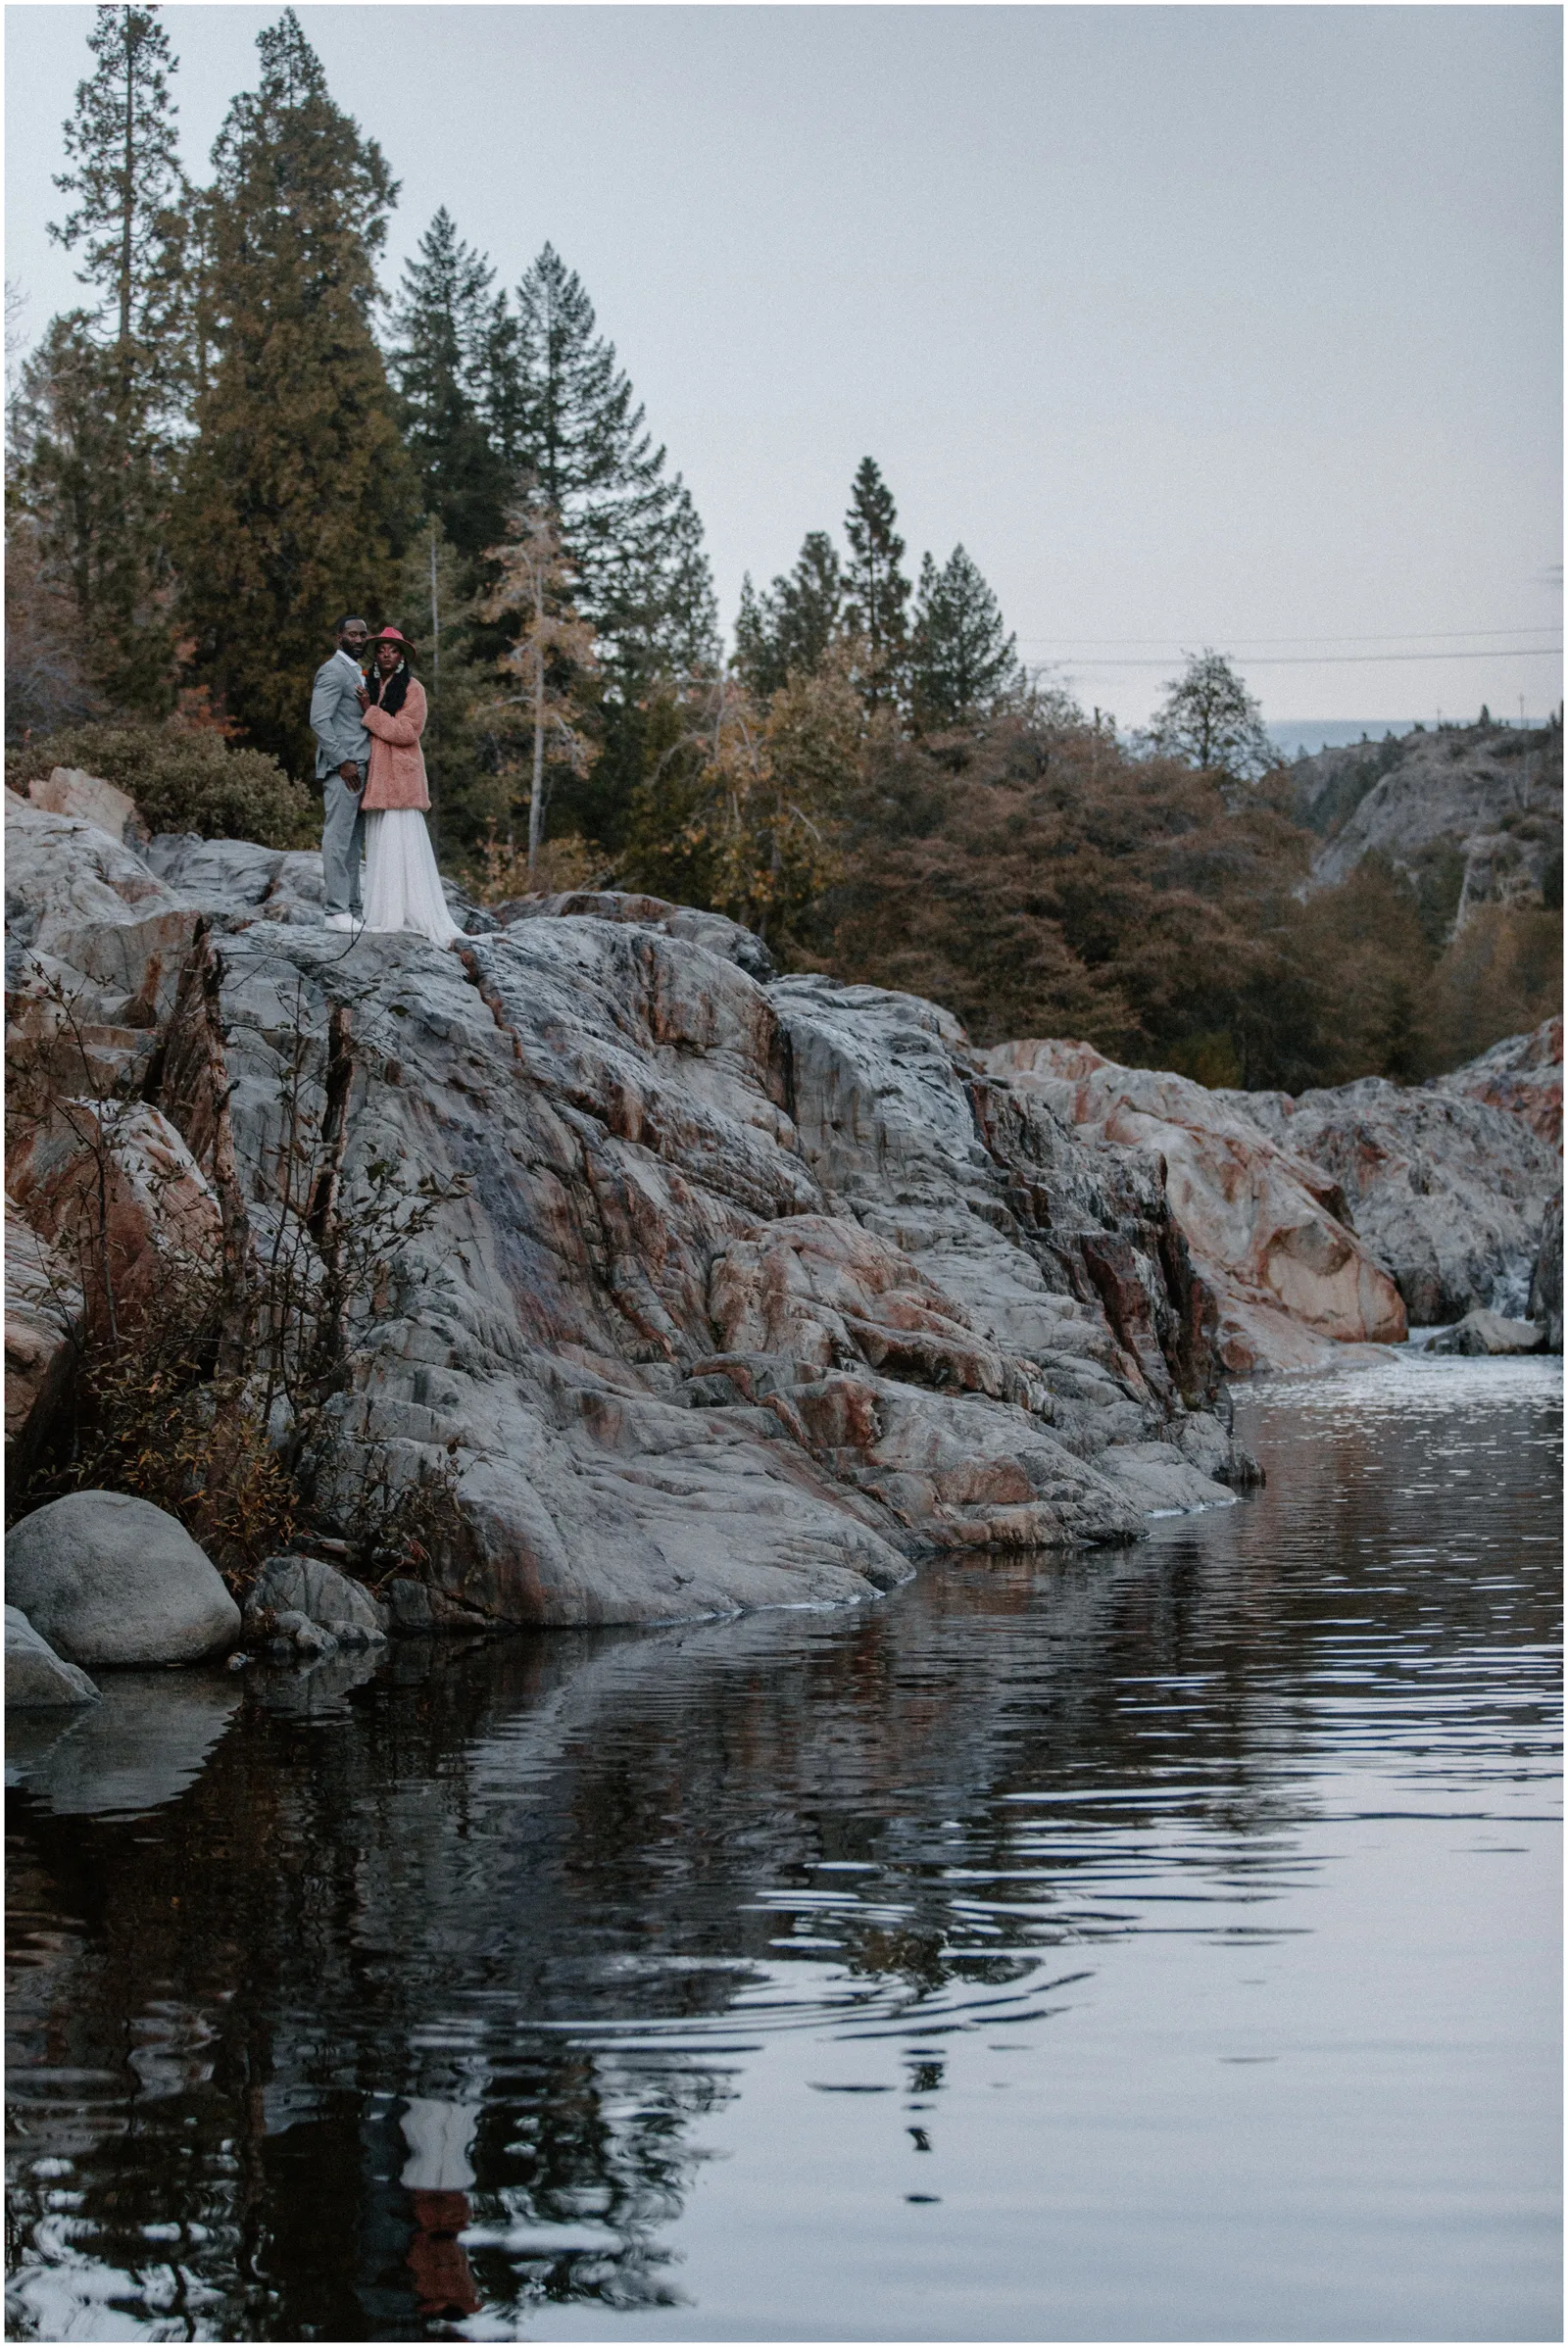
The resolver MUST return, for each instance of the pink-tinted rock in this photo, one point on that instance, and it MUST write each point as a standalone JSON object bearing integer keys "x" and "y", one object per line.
{"x": 118, "y": 1195}
{"x": 45, "y": 1321}
{"x": 1266, "y": 1229}
{"x": 1522, "y": 1073}
{"x": 1446, "y": 1192}
{"x": 68, "y": 791}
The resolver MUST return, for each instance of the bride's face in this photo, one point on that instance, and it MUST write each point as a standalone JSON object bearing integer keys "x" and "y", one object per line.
{"x": 387, "y": 657}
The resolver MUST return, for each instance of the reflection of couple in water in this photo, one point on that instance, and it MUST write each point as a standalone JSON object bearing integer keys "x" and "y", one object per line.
{"x": 367, "y": 724}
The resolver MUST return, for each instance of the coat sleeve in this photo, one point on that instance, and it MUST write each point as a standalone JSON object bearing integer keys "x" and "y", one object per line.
{"x": 327, "y": 715}
{"x": 407, "y": 726}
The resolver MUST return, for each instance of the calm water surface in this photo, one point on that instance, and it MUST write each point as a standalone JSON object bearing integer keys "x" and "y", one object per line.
{"x": 1159, "y": 1944}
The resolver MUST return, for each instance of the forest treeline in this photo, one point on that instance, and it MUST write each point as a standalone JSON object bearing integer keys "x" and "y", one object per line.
{"x": 237, "y": 437}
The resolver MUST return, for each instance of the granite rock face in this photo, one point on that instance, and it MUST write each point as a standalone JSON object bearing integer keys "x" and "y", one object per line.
{"x": 760, "y": 1290}
{"x": 68, "y": 791}
{"x": 107, "y": 1579}
{"x": 113, "y": 1184}
{"x": 1489, "y": 799}
{"x": 1522, "y": 1073}
{"x": 44, "y": 1320}
{"x": 1446, "y": 1192}
{"x": 1266, "y": 1227}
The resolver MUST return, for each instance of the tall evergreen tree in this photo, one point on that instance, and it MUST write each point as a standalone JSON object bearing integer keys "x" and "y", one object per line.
{"x": 876, "y": 587}
{"x": 94, "y": 477}
{"x": 962, "y": 664}
{"x": 298, "y": 492}
{"x": 130, "y": 192}
{"x": 584, "y": 438}
{"x": 442, "y": 363}
{"x": 93, "y": 455}
{"x": 628, "y": 526}
{"x": 790, "y": 628}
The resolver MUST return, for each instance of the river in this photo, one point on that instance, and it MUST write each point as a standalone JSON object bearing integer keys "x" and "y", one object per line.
{"x": 1160, "y": 1944}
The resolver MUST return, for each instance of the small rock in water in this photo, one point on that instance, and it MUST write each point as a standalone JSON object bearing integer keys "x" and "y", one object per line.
{"x": 1490, "y": 1333}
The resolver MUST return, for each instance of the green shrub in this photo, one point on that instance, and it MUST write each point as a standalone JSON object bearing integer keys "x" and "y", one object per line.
{"x": 182, "y": 779}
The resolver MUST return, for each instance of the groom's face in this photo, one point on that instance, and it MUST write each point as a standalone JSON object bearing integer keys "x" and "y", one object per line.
{"x": 353, "y": 637}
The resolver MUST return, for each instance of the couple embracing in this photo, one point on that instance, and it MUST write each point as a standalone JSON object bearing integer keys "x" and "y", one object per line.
{"x": 368, "y": 724}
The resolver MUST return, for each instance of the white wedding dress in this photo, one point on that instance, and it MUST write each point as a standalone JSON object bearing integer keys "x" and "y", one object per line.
{"x": 401, "y": 884}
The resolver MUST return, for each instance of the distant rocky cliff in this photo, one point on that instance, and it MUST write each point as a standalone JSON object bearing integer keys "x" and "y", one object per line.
{"x": 1472, "y": 813}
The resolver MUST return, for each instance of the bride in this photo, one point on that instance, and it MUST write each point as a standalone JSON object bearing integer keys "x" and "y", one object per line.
{"x": 402, "y": 886}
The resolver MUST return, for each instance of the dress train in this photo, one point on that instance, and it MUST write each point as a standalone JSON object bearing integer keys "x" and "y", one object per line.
{"x": 401, "y": 885}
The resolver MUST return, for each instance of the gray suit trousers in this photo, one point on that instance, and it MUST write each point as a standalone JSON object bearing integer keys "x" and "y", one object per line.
{"x": 342, "y": 845}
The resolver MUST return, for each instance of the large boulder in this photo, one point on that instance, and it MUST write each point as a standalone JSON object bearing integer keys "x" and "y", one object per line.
{"x": 1267, "y": 1231}
{"x": 1446, "y": 1192}
{"x": 90, "y": 901}
{"x": 107, "y": 1579}
{"x": 36, "y": 1677}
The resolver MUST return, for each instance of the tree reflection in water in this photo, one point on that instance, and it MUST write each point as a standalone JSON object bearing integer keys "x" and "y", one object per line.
{"x": 416, "y": 2002}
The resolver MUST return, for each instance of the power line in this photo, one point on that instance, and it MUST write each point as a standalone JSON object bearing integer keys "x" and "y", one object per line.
{"x": 1344, "y": 660}
{"x": 1408, "y": 635}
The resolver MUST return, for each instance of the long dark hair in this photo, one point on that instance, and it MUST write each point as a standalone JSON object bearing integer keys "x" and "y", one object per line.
{"x": 391, "y": 695}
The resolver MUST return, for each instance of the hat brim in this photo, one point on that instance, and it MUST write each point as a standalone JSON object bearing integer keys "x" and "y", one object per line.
{"x": 410, "y": 650}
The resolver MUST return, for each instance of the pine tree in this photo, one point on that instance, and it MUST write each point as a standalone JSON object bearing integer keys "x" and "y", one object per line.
{"x": 93, "y": 454}
{"x": 563, "y": 406}
{"x": 962, "y": 665}
{"x": 630, "y": 529}
{"x": 876, "y": 588}
{"x": 130, "y": 217}
{"x": 298, "y": 492}
{"x": 791, "y": 628}
{"x": 94, "y": 477}
{"x": 443, "y": 364}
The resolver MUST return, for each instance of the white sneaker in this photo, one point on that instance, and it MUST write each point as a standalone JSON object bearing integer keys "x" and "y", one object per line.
{"x": 352, "y": 922}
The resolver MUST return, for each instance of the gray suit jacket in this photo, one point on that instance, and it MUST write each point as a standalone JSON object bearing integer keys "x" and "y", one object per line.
{"x": 335, "y": 720}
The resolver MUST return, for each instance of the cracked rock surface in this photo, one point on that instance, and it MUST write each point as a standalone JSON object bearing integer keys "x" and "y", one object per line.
{"x": 763, "y": 1288}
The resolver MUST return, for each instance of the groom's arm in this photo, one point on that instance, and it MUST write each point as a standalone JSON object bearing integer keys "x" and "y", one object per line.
{"x": 331, "y": 724}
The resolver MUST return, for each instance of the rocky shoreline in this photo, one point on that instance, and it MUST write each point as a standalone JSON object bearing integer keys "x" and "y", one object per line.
{"x": 738, "y": 1290}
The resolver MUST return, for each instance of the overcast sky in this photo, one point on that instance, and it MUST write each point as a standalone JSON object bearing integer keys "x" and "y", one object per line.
{"x": 1195, "y": 325}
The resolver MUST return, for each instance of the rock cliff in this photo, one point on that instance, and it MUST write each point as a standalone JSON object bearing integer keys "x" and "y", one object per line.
{"x": 758, "y": 1290}
{"x": 1336, "y": 1217}
{"x": 1447, "y": 1189}
{"x": 1476, "y": 812}
{"x": 1266, "y": 1227}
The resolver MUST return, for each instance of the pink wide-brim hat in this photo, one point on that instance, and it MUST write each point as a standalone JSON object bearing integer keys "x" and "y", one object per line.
{"x": 395, "y": 635}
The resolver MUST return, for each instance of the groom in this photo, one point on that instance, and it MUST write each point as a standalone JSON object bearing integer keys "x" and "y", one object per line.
{"x": 342, "y": 754}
